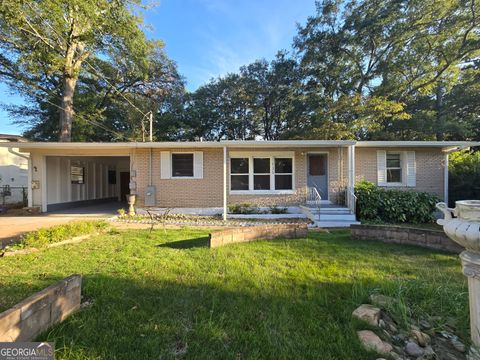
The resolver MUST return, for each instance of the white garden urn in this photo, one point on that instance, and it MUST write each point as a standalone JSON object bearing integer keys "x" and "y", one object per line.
{"x": 131, "y": 202}
{"x": 462, "y": 225}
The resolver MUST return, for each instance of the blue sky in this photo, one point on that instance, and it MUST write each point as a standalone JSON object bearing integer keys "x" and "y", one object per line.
{"x": 208, "y": 38}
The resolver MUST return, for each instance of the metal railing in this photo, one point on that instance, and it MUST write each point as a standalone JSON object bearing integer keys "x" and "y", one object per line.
{"x": 351, "y": 200}
{"x": 313, "y": 197}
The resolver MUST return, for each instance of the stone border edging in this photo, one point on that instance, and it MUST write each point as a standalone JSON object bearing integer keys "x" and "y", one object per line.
{"x": 37, "y": 313}
{"x": 252, "y": 233}
{"x": 74, "y": 240}
{"x": 431, "y": 239}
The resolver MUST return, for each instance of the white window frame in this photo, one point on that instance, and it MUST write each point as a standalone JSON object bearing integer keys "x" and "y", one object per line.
{"x": 402, "y": 169}
{"x": 193, "y": 165}
{"x": 252, "y": 155}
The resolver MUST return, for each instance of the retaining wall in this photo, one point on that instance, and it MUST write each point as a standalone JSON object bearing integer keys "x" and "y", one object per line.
{"x": 29, "y": 318}
{"x": 251, "y": 233}
{"x": 432, "y": 239}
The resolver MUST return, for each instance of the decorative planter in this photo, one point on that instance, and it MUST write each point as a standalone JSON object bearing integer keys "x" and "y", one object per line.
{"x": 131, "y": 202}
{"x": 464, "y": 229}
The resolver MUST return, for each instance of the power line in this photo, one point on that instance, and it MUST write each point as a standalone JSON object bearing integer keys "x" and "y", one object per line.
{"x": 61, "y": 38}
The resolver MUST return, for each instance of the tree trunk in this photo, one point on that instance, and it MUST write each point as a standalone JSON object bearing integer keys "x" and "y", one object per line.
{"x": 66, "y": 113}
{"x": 440, "y": 123}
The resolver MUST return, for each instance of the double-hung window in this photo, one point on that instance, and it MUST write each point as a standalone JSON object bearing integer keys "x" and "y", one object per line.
{"x": 261, "y": 173}
{"x": 394, "y": 168}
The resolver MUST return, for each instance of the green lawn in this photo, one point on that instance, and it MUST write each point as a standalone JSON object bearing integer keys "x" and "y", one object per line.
{"x": 169, "y": 296}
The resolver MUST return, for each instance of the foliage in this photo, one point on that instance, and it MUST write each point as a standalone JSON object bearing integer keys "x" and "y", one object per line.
{"x": 265, "y": 299}
{"x": 91, "y": 54}
{"x": 42, "y": 237}
{"x": 245, "y": 208}
{"x": 393, "y": 205}
{"x": 464, "y": 176}
{"x": 278, "y": 210}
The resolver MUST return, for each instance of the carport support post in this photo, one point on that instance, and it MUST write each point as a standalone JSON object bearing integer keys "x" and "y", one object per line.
{"x": 224, "y": 183}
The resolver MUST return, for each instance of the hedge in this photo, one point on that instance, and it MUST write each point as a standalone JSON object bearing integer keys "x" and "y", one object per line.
{"x": 392, "y": 206}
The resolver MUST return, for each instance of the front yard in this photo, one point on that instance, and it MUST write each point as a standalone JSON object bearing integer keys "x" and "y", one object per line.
{"x": 166, "y": 295}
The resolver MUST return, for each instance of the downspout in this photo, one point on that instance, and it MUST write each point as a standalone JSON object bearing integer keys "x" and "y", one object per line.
{"x": 224, "y": 183}
{"x": 150, "y": 167}
{"x": 30, "y": 175}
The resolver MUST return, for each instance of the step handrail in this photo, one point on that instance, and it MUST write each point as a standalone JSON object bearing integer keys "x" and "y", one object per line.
{"x": 351, "y": 200}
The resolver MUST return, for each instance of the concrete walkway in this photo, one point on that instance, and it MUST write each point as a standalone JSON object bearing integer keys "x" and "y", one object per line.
{"x": 14, "y": 226}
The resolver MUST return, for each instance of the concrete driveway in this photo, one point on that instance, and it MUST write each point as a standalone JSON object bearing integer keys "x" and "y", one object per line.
{"x": 13, "y": 226}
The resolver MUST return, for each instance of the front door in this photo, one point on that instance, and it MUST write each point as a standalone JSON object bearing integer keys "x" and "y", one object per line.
{"x": 124, "y": 185}
{"x": 317, "y": 173}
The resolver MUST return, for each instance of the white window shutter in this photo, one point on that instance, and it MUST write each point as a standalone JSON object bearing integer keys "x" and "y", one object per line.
{"x": 381, "y": 167}
{"x": 411, "y": 169}
{"x": 165, "y": 165}
{"x": 198, "y": 165}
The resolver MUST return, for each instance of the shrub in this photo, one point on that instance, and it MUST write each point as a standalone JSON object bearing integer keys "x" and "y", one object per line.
{"x": 278, "y": 210}
{"x": 42, "y": 237}
{"x": 392, "y": 206}
{"x": 464, "y": 176}
{"x": 245, "y": 208}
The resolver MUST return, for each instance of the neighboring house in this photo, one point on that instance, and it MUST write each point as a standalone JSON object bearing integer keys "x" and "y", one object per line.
{"x": 212, "y": 175}
{"x": 13, "y": 172}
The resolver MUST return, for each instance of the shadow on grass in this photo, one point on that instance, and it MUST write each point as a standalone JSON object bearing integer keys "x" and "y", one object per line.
{"x": 161, "y": 319}
{"x": 186, "y": 244}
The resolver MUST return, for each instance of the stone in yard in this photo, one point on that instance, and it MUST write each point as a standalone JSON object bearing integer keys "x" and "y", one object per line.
{"x": 457, "y": 344}
{"x": 413, "y": 349}
{"x": 420, "y": 337}
{"x": 371, "y": 341}
{"x": 424, "y": 324}
{"x": 381, "y": 301}
{"x": 368, "y": 313}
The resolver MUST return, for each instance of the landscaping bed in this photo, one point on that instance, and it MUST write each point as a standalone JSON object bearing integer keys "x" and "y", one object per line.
{"x": 165, "y": 294}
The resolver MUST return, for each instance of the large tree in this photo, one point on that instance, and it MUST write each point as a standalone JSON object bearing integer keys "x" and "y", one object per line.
{"x": 46, "y": 44}
{"x": 391, "y": 55}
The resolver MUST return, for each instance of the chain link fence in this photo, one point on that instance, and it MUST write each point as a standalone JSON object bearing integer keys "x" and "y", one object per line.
{"x": 13, "y": 195}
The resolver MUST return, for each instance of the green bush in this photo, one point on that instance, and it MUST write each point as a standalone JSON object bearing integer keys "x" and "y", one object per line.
{"x": 278, "y": 210}
{"x": 375, "y": 204}
{"x": 42, "y": 237}
{"x": 245, "y": 208}
{"x": 464, "y": 176}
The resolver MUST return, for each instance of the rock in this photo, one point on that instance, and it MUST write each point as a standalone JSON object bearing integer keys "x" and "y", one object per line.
{"x": 425, "y": 325}
{"x": 368, "y": 313}
{"x": 371, "y": 341}
{"x": 413, "y": 349}
{"x": 421, "y": 338}
{"x": 382, "y": 324}
{"x": 381, "y": 301}
{"x": 457, "y": 344}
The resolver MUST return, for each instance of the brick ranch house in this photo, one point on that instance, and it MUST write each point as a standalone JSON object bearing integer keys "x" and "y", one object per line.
{"x": 212, "y": 175}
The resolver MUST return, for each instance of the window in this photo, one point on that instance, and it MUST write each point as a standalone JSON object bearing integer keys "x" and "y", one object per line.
{"x": 239, "y": 174}
{"x": 254, "y": 174}
{"x": 394, "y": 168}
{"x": 261, "y": 173}
{"x": 77, "y": 175}
{"x": 182, "y": 165}
{"x": 283, "y": 174}
{"x": 112, "y": 177}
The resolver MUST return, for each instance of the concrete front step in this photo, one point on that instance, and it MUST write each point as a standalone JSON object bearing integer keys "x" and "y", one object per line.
{"x": 335, "y": 217}
{"x": 335, "y": 224}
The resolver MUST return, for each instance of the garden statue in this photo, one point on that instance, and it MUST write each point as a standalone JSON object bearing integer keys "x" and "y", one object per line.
{"x": 131, "y": 202}
{"x": 462, "y": 225}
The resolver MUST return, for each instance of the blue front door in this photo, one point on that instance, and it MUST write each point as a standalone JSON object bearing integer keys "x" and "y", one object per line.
{"x": 317, "y": 173}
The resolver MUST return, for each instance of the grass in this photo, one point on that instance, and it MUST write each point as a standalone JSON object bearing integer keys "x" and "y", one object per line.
{"x": 166, "y": 295}
{"x": 46, "y": 236}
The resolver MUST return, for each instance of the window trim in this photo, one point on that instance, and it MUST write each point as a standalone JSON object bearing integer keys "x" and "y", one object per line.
{"x": 251, "y": 155}
{"x": 402, "y": 169}
{"x": 171, "y": 164}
